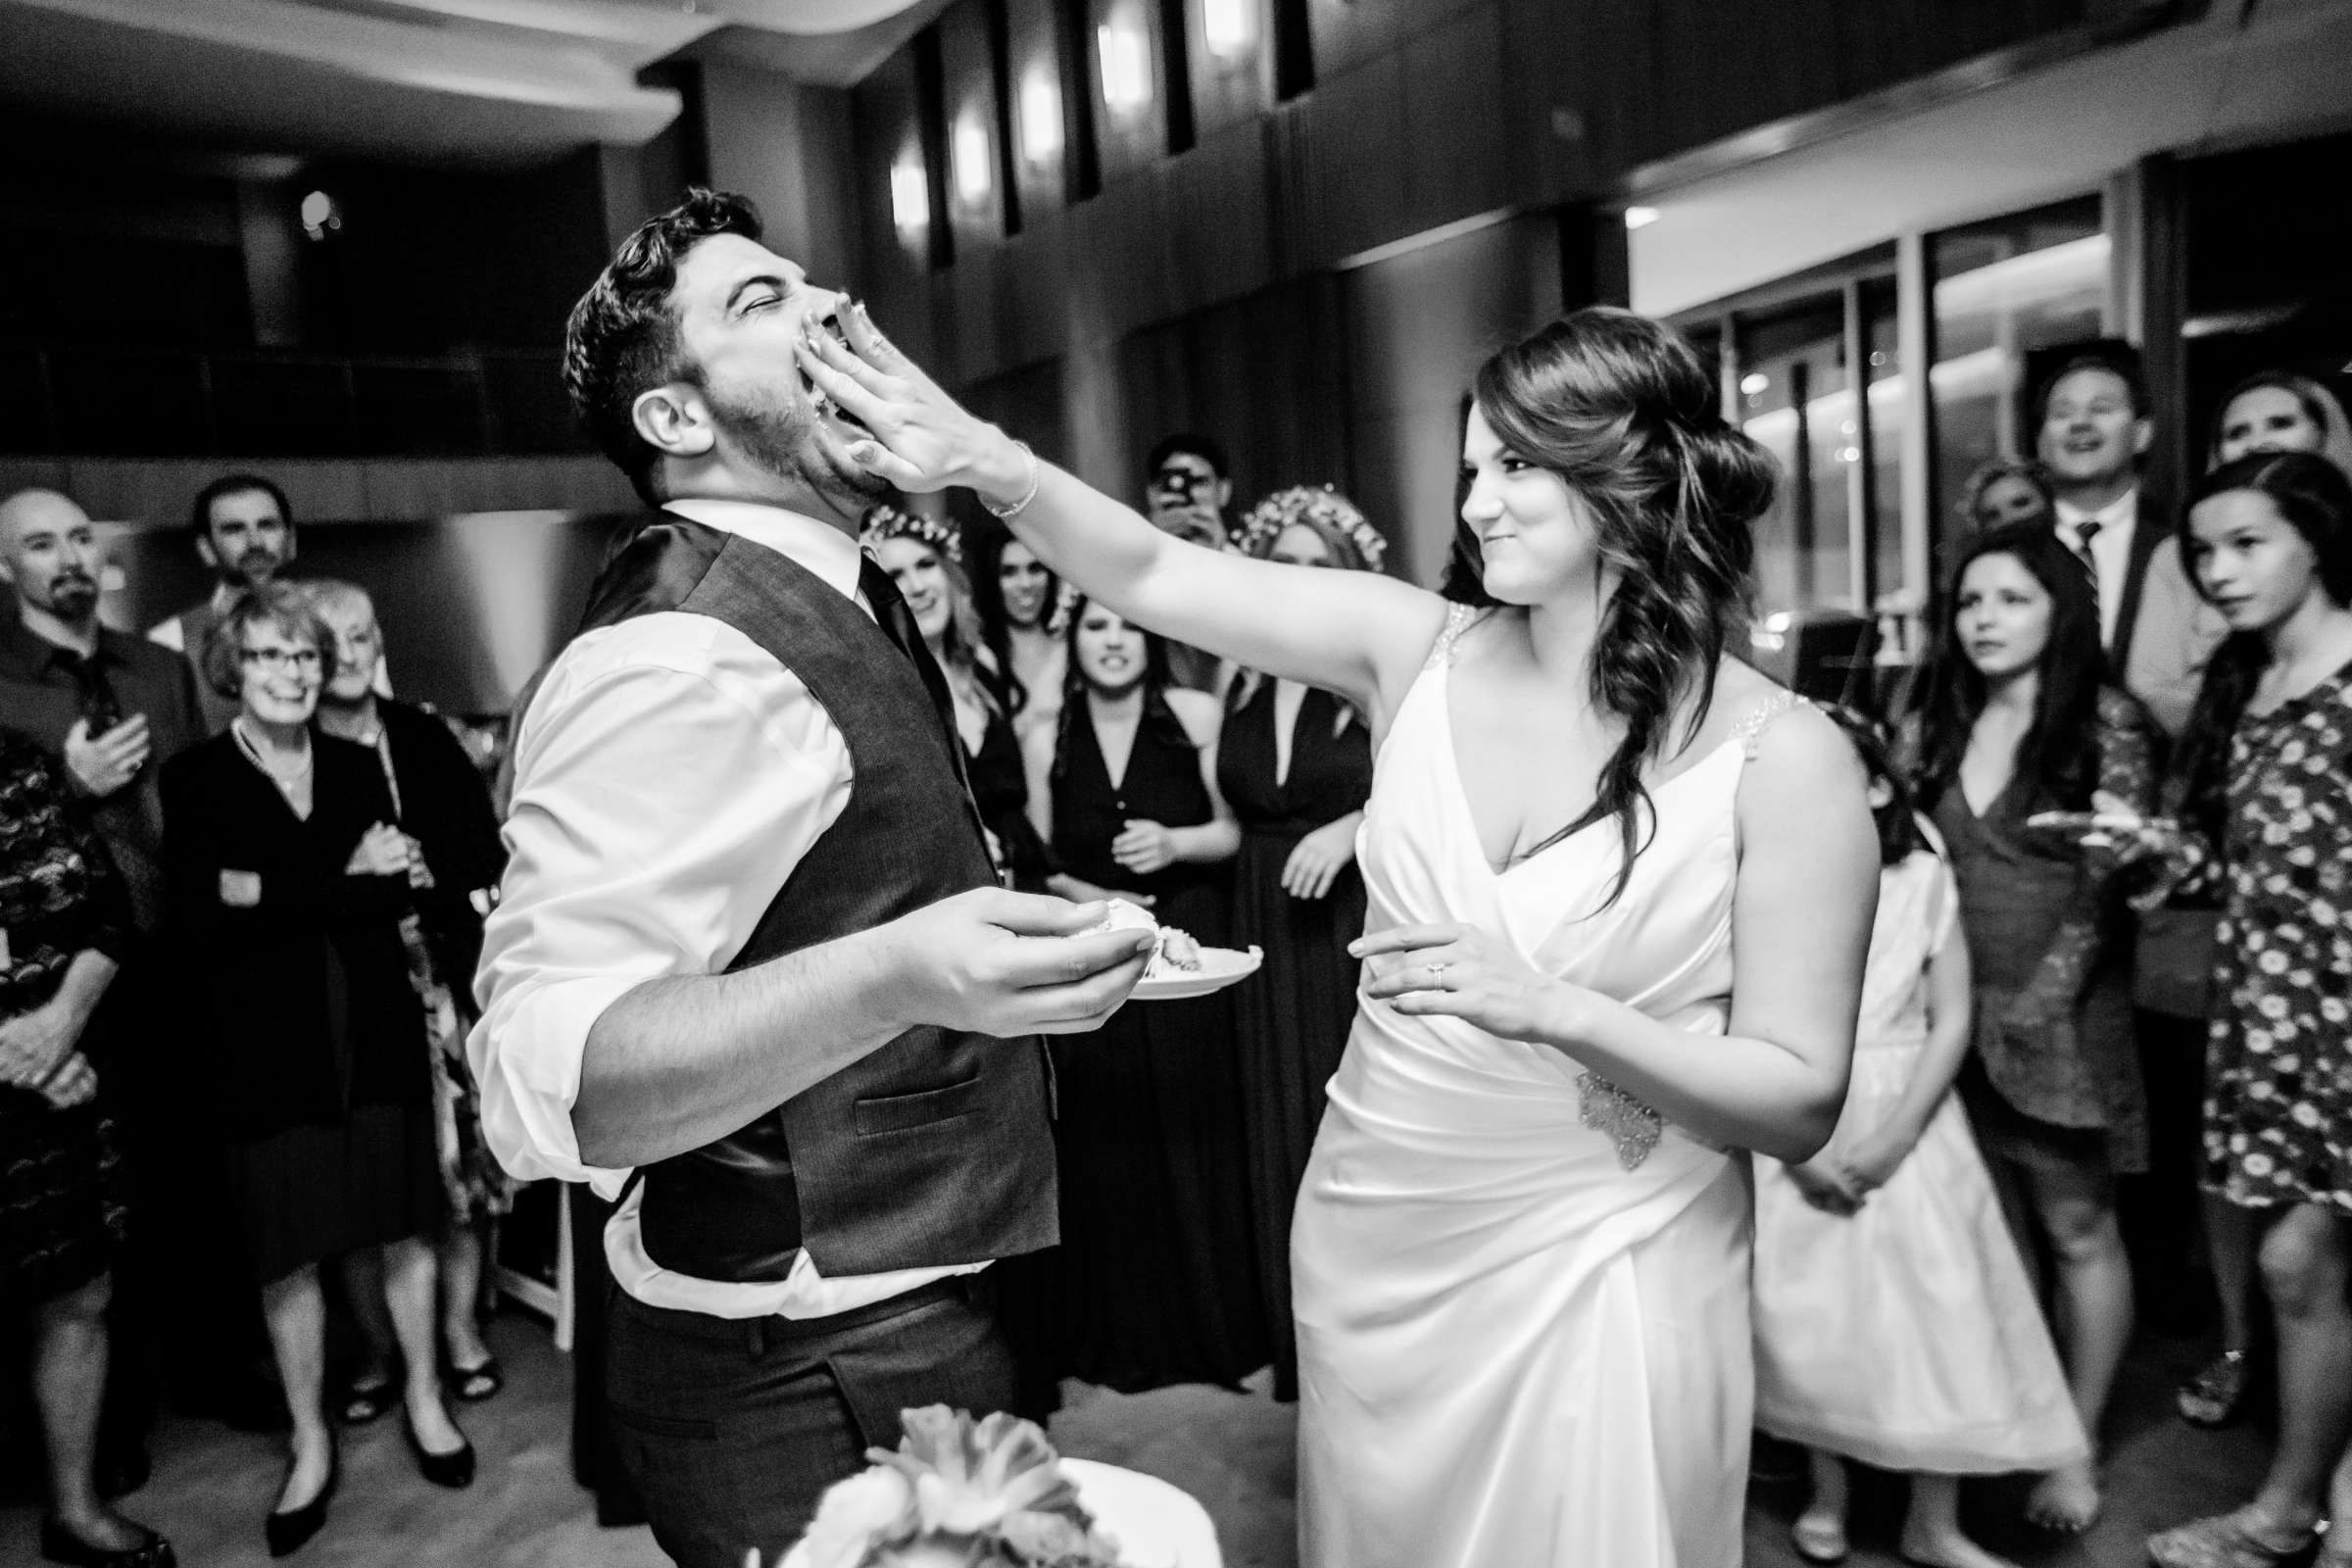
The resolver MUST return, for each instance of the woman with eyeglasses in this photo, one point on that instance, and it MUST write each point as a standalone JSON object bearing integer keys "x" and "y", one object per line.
{"x": 287, "y": 883}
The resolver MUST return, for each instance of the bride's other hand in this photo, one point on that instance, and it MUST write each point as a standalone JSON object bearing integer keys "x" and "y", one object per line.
{"x": 1825, "y": 1187}
{"x": 923, "y": 439}
{"x": 1460, "y": 971}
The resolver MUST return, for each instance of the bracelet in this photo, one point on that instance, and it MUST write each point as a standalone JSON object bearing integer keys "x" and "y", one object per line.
{"x": 1036, "y": 474}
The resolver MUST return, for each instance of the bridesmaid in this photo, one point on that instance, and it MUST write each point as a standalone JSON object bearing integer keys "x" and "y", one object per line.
{"x": 2017, "y": 719}
{"x": 1297, "y": 766}
{"x": 1016, "y": 597}
{"x": 1158, "y": 1282}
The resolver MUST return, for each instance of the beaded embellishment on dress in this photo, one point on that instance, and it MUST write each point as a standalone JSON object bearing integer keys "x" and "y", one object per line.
{"x": 1629, "y": 1124}
{"x": 1457, "y": 620}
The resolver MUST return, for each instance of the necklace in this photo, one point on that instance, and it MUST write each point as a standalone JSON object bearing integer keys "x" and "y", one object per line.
{"x": 287, "y": 781}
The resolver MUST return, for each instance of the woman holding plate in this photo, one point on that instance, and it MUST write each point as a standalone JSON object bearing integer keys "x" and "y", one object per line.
{"x": 1158, "y": 1283}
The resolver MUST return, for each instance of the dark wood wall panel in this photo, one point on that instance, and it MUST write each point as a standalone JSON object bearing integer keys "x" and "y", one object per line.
{"x": 1880, "y": 45}
{"x": 1349, "y": 34}
{"x": 1128, "y": 144}
{"x": 1457, "y": 158}
{"x": 895, "y": 279}
{"x": 1580, "y": 103}
{"x": 1233, "y": 91}
{"x": 1222, "y": 242}
{"x": 1339, "y": 166}
{"x": 1733, "y": 67}
{"x": 1033, "y": 52}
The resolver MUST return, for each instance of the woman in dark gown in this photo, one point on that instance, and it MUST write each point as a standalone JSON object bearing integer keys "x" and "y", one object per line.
{"x": 1296, "y": 764}
{"x": 2015, "y": 721}
{"x": 1157, "y": 1277}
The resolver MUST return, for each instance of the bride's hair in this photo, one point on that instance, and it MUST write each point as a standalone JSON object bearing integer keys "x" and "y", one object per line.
{"x": 1624, "y": 412}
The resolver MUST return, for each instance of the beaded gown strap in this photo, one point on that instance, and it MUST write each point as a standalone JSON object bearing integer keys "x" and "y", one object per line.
{"x": 1753, "y": 724}
{"x": 1459, "y": 619}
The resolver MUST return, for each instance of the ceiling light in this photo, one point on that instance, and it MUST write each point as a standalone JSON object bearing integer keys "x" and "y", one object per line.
{"x": 974, "y": 178}
{"x": 1640, "y": 216}
{"x": 1126, "y": 62}
{"x": 320, "y": 214}
{"x": 909, "y": 195}
{"x": 1230, "y": 26}
{"x": 1040, "y": 117}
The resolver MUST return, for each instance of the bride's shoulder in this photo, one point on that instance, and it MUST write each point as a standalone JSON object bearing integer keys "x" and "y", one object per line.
{"x": 1798, "y": 759}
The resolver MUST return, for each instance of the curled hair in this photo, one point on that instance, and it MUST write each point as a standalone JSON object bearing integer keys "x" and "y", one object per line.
{"x": 284, "y": 607}
{"x": 1158, "y": 717}
{"x": 963, "y": 649}
{"x": 988, "y": 597}
{"x": 1624, "y": 412}
{"x": 2059, "y": 754}
{"x": 1992, "y": 472}
{"x": 2314, "y": 497}
{"x": 200, "y": 515}
{"x": 622, "y": 339}
{"x": 1898, "y": 819}
{"x": 2319, "y": 407}
{"x": 1353, "y": 544}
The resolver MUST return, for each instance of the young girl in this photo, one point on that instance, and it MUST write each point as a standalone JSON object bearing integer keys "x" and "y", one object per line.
{"x": 1895, "y": 1322}
{"x": 2267, "y": 812}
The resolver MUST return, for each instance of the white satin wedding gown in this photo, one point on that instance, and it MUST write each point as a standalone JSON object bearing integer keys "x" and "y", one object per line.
{"x": 1522, "y": 1303}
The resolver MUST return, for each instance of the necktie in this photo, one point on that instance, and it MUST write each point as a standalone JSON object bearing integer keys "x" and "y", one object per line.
{"x": 898, "y": 624}
{"x": 2085, "y": 532}
{"x": 99, "y": 704}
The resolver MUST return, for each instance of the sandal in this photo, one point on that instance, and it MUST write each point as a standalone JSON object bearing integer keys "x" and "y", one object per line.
{"x": 2217, "y": 1396}
{"x": 2225, "y": 1541}
{"x": 472, "y": 1385}
{"x": 367, "y": 1397}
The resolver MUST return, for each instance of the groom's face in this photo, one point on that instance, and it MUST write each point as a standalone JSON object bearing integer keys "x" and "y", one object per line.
{"x": 741, "y": 308}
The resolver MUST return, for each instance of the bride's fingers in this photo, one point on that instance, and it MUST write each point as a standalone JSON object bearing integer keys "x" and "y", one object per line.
{"x": 857, "y": 323}
{"x": 841, "y": 356}
{"x": 846, "y": 391}
{"x": 883, "y": 464}
{"x": 1402, "y": 939}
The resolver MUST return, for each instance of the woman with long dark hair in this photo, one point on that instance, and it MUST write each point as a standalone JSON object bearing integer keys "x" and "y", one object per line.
{"x": 2264, "y": 798}
{"x": 1156, "y": 1279}
{"x": 1297, "y": 765}
{"x": 1016, "y": 597}
{"x": 2017, "y": 719}
{"x": 1619, "y": 898}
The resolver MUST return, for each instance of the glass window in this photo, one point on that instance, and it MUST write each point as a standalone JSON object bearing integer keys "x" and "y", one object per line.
{"x": 1795, "y": 402}
{"x": 2003, "y": 289}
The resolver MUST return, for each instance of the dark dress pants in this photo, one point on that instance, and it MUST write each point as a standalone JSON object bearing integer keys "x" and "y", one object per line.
{"x": 732, "y": 1430}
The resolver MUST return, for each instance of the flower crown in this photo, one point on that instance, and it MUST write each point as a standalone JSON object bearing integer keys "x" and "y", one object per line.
{"x": 987, "y": 1493}
{"x": 1264, "y": 522}
{"x": 886, "y": 521}
{"x": 1065, "y": 604}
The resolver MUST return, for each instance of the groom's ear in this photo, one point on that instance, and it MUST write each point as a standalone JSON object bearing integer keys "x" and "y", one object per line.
{"x": 673, "y": 420}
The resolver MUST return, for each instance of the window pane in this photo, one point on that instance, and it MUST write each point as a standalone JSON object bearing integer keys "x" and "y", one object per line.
{"x": 2003, "y": 289}
{"x": 1883, "y": 376}
{"x": 1795, "y": 401}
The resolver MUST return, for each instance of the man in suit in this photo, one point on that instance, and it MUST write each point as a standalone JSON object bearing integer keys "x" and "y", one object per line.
{"x": 1187, "y": 492}
{"x": 244, "y": 533}
{"x": 751, "y": 972}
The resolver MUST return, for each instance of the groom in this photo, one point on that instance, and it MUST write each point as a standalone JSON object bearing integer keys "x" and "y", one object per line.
{"x": 751, "y": 971}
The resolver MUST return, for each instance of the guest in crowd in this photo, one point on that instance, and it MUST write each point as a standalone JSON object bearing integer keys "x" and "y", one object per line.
{"x": 2267, "y": 814}
{"x": 111, "y": 709}
{"x": 289, "y": 882}
{"x": 925, "y": 560}
{"x": 1016, "y": 596}
{"x": 2007, "y": 490}
{"x": 1158, "y": 1282}
{"x": 2016, "y": 719}
{"x": 2274, "y": 411}
{"x": 65, "y": 916}
{"x": 1296, "y": 765}
{"x": 2093, "y": 429}
{"x": 442, "y": 808}
{"x": 1895, "y": 1322}
{"x": 2280, "y": 410}
{"x": 1187, "y": 488}
{"x": 244, "y": 534}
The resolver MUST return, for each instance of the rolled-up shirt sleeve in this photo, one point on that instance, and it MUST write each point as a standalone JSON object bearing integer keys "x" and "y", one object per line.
{"x": 636, "y": 852}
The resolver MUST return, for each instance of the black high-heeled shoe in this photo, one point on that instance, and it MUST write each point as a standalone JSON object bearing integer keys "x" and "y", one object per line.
{"x": 288, "y": 1532}
{"x": 454, "y": 1469}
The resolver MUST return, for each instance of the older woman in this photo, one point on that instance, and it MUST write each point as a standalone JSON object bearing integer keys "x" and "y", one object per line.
{"x": 289, "y": 882}
{"x": 64, "y": 917}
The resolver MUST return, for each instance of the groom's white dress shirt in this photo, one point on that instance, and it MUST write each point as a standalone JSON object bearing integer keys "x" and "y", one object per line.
{"x": 668, "y": 777}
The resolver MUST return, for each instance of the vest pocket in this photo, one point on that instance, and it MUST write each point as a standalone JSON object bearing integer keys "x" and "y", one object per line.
{"x": 897, "y": 1113}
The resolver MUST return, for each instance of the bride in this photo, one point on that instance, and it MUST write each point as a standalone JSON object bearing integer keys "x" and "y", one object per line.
{"x": 1619, "y": 899}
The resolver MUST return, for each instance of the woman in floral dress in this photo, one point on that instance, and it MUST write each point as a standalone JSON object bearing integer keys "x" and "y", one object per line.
{"x": 2267, "y": 810}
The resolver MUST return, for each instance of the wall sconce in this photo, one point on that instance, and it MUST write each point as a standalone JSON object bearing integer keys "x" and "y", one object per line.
{"x": 1040, "y": 117}
{"x": 1229, "y": 27}
{"x": 1125, "y": 55}
{"x": 1640, "y": 216}
{"x": 973, "y": 158}
{"x": 910, "y": 196}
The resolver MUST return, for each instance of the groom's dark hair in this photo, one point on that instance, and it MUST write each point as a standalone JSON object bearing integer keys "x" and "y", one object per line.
{"x": 622, "y": 337}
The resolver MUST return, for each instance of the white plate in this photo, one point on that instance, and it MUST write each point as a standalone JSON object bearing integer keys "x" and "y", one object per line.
{"x": 1219, "y": 968}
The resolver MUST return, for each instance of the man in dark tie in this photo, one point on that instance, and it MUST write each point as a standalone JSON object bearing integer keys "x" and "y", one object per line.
{"x": 772, "y": 1004}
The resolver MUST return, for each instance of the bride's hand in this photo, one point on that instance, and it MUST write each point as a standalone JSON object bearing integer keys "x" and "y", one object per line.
{"x": 1460, "y": 971}
{"x": 923, "y": 439}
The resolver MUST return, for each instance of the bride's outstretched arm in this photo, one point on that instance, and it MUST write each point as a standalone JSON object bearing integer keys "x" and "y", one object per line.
{"x": 1801, "y": 928}
{"x": 1357, "y": 633}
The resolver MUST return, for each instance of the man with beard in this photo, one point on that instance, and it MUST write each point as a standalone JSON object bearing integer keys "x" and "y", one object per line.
{"x": 113, "y": 709}
{"x": 773, "y": 1003}
{"x": 1186, "y": 494}
{"x": 244, "y": 532}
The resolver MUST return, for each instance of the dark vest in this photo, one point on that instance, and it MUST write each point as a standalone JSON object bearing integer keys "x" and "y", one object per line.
{"x": 936, "y": 1149}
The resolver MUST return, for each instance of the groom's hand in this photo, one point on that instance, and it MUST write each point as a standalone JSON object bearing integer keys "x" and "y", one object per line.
{"x": 998, "y": 962}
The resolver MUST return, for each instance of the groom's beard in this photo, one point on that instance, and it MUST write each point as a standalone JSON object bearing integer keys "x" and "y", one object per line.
{"x": 779, "y": 433}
